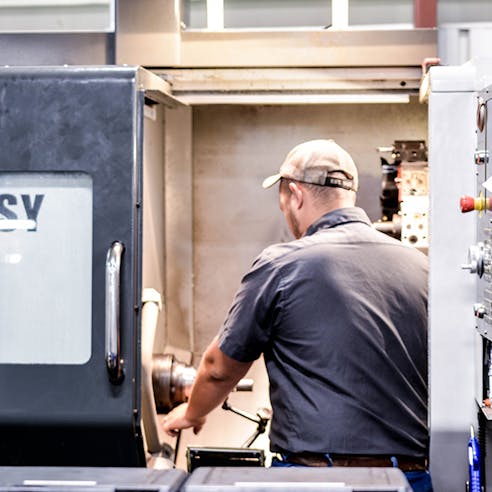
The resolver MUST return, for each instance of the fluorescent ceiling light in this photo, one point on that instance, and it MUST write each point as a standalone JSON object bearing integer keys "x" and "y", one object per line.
{"x": 215, "y": 15}
{"x": 203, "y": 99}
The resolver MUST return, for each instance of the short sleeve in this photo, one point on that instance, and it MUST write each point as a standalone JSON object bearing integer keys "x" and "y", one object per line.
{"x": 256, "y": 307}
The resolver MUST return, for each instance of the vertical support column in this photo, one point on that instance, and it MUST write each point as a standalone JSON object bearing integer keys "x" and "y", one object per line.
{"x": 339, "y": 14}
{"x": 179, "y": 229}
{"x": 425, "y": 13}
{"x": 215, "y": 15}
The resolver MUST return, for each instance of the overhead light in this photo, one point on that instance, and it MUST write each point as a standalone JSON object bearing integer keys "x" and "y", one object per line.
{"x": 259, "y": 99}
{"x": 215, "y": 15}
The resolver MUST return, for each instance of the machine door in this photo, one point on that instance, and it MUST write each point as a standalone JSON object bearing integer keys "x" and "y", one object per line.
{"x": 69, "y": 274}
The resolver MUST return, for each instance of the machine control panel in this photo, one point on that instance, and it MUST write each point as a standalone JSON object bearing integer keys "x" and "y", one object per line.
{"x": 480, "y": 254}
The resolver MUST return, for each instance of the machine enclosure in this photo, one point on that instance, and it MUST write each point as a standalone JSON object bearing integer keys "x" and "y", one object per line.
{"x": 60, "y": 406}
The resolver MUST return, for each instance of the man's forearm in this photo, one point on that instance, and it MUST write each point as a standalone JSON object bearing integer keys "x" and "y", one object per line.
{"x": 207, "y": 394}
{"x": 216, "y": 377}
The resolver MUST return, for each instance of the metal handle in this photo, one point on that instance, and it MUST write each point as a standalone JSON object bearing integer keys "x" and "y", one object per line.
{"x": 113, "y": 356}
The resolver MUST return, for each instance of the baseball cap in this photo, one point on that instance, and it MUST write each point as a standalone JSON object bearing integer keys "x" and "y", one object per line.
{"x": 313, "y": 162}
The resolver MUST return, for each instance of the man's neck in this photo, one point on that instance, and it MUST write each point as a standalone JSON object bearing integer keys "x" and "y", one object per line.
{"x": 315, "y": 213}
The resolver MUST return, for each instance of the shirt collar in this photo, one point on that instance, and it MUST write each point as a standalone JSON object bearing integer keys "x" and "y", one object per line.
{"x": 338, "y": 217}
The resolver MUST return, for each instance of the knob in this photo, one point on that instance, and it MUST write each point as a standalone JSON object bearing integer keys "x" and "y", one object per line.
{"x": 469, "y": 203}
{"x": 481, "y": 157}
{"x": 479, "y": 310}
{"x": 475, "y": 259}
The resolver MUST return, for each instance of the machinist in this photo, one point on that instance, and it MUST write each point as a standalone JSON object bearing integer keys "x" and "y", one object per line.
{"x": 340, "y": 316}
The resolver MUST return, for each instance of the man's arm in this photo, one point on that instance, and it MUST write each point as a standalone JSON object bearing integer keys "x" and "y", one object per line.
{"x": 216, "y": 377}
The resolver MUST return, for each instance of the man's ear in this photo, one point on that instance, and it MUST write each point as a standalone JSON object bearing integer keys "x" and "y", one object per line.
{"x": 297, "y": 194}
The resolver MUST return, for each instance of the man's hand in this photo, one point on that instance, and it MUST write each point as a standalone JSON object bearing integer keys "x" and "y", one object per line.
{"x": 177, "y": 420}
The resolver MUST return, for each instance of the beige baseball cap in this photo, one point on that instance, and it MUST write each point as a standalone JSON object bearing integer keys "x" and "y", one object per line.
{"x": 314, "y": 161}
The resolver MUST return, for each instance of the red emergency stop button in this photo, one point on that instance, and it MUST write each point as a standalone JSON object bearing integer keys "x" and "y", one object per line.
{"x": 469, "y": 203}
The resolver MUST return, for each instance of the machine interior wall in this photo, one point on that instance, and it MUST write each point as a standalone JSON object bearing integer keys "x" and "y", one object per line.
{"x": 234, "y": 149}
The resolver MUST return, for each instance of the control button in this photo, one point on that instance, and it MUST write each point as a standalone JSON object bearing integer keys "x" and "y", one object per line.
{"x": 469, "y": 203}
{"x": 479, "y": 310}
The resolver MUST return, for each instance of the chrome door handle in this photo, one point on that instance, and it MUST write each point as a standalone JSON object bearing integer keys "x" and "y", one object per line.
{"x": 112, "y": 311}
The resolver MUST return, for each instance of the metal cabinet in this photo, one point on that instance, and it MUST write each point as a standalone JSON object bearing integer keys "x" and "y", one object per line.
{"x": 71, "y": 141}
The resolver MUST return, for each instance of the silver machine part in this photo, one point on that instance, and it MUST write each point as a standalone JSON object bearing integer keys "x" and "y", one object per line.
{"x": 475, "y": 259}
{"x": 244, "y": 385}
{"x": 481, "y": 157}
{"x": 171, "y": 381}
{"x": 112, "y": 308}
{"x": 481, "y": 114}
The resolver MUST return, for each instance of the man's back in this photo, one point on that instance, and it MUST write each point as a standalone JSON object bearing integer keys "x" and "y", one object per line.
{"x": 341, "y": 317}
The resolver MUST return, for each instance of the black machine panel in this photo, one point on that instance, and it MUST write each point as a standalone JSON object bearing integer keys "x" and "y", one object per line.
{"x": 70, "y": 236}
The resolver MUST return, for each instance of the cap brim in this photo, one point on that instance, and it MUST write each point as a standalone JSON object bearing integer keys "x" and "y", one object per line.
{"x": 271, "y": 180}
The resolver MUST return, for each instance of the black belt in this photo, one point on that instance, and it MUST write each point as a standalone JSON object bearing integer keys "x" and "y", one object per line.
{"x": 404, "y": 463}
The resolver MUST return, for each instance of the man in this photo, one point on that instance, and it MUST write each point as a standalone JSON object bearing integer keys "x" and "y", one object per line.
{"x": 340, "y": 315}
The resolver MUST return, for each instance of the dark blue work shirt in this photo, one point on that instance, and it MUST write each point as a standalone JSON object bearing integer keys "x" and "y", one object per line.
{"x": 341, "y": 318}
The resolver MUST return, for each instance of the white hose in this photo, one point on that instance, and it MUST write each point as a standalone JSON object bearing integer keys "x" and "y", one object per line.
{"x": 153, "y": 433}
